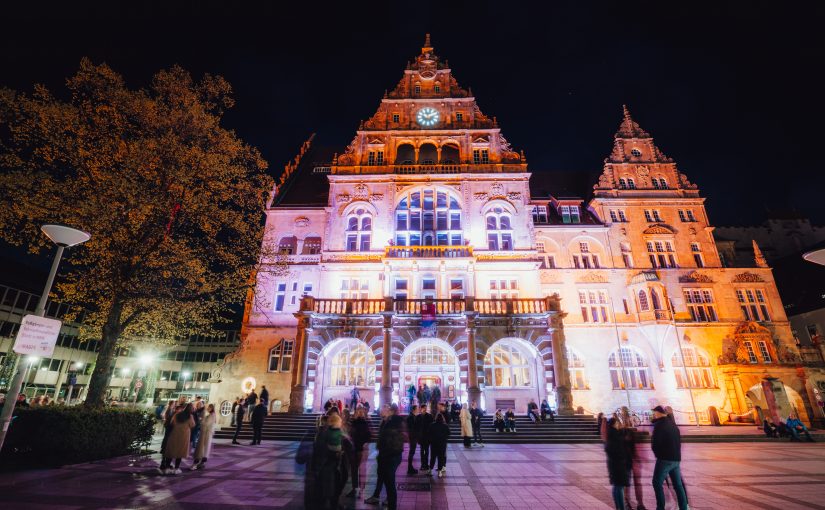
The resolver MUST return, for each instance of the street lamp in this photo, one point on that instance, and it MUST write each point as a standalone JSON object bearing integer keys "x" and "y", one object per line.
{"x": 30, "y": 361}
{"x": 185, "y": 375}
{"x": 64, "y": 237}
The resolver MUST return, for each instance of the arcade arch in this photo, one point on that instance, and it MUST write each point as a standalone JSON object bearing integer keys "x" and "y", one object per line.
{"x": 430, "y": 361}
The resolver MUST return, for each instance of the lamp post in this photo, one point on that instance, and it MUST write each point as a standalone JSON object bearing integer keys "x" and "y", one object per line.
{"x": 31, "y": 360}
{"x": 64, "y": 237}
{"x": 184, "y": 375}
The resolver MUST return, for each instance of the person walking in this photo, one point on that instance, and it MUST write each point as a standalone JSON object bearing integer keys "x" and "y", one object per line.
{"x": 258, "y": 416}
{"x": 427, "y": 395}
{"x": 632, "y": 441}
{"x": 204, "y": 445}
{"x": 412, "y": 434}
{"x": 390, "y": 449}
{"x": 666, "y": 443}
{"x": 177, "y": 447}
{"x": 240, "y": 412}
{"x": 618, "y": 461}
{"x": 422, "y": 425}
{"x": 327, "y": 459}
{"x": 466, "y": 422}
{"x": 361, "y": 434}
{"x": 264, "y": 396}
{"x": 475, "y": 419}
{"x": 354, "y": 397}
{"x": 420, "y": 394}
{"x": 197, "y": 415}
{"x": 438, "y": 434}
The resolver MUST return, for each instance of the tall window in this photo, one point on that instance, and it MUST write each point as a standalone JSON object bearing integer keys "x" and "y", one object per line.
{"x": 764, "y": 351}
{"x": 375, "y": 158}
{"x": 686, "y": 215}
{"x": 352, "y": 288}
{"x": 570, "y": 214}
{"x": 575, "y": 364}
{"x": 628, "y": 369}
{"x": 280, "y": 296}
{"x": 353, "y": 365}
{"x": 659, "y": 183}
{"x": 753, "y": 304}
{"x": 696, "y": 368}
{"x": 312, "y": 246}
{"x": 661, "y": 254}
{"x": 506, "y": 366}
{"x": 751, "y": 353}
{"x": 359, "y": 230}
{"x": 696, "y": 250}
{"x": 700, "y": 303}
{"x": 618, "y": 216}
{"x": 280, "y": 356}
{"x": 288, "y": 245}
{"x": 627, "y": 183}
{"x": 504, "y": 289}
{"x": 499, "y": 230}
{"x": 481, "y": 156}
{"x": 539, "y": 213}
{"x": 652, "y": 215}
{"x": 644, "y": 304}
{"x": 428, "y": 218}
{"x": 593, "y": 304}
{"x": 585, "y": 259}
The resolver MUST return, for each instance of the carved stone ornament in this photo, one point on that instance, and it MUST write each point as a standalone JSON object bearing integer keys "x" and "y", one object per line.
{"x": 481, "y": 197}
{"x": 361, "y": 192}
{"x": 514, "y": 196}
{"x": 642, "y": 170}
{"x": 548, "y": 277}
{"x": 497, "y": 189}
{"x": 343, "y": 198}
{"x": 376, "y": 197}
{"x": 593, "y": 277}
{"x": 695, "y": 277}
{"x": 747, "y": 277}
{"x": 301, "y": 221}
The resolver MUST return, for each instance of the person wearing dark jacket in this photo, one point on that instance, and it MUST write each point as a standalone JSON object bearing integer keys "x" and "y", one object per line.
{"x": 666, "y": 443}
{"x": 258, "y": 415}
{"x": 240, "y": 412}
{"x": 769, "y": 428}
{"x": 475, "y": 420}
{"x": 546, "y": 411}
{"x": 618, "y": 461}
{"x": 412, "y": 431}
{"x": 390, "y": 447}
{"x": 361, "y": 434}
{"x": 264, "y": 396}
{"x": 422, "y": 425}
{"x": 437, "y": 434}
{"x": 251, "y": 400}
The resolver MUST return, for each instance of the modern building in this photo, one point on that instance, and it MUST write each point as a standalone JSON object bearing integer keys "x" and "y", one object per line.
{"x": 425, "y": 252}
{"x": 150, "y": 371}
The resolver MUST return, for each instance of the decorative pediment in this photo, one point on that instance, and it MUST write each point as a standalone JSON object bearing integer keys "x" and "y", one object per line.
{"x": 301, "y": 221}
{"x": 481, "y": 139}
{"x": 747, "y": 277}
{"x": 593, "y": 277}
{"x": 376, "y": 141}
{"x": 695, "y": 277}
{"x": 659, "y": 229}
{"x": 751, "y": 328}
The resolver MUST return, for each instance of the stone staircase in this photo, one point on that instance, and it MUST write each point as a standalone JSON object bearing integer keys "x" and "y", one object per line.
{"x": 565, "y": 429}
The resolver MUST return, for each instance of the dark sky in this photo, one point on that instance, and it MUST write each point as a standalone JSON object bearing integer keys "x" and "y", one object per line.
{"x": 732, "y": 91}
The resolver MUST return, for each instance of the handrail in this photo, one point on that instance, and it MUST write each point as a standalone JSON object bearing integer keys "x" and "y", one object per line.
{"x": 440, "y": 252}
{"x": 510, "y": 306}
{"x": 348, "y": 306}
{"x": 425, "y": 307}
{"x": 429, "y": 306}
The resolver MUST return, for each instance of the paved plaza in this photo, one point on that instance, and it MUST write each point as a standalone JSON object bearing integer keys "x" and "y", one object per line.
{"x": 721, "y": 475}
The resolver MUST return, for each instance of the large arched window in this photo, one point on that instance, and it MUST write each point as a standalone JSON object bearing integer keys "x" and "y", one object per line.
{"x": 499, "y": 230}
{"x": 507, "y": 366}
{"x": 630, "y": 370}
{"x": 429, "y": 354}
{"x": 575, "y": 365}
{"x": 428, "y": 218}
{"x": 353, "y": 365}
{"x": 359, "y": 230}
{"x": 696, "y": 368}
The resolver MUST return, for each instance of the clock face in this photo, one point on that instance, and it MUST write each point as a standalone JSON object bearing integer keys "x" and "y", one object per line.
{"x": 427, "y": 117}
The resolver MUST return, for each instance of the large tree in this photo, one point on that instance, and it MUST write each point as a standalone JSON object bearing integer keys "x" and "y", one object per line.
{"x": 173, "y": 201}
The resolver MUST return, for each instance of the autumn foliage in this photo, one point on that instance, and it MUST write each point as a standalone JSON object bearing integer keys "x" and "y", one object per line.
{"x": 173, "y": 201}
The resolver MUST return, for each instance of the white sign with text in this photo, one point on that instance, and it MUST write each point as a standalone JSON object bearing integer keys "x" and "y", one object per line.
{"x": 37, "y": 336}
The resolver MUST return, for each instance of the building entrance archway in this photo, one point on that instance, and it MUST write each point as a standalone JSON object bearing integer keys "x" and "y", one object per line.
{"x": 429, "y": 361}
{"x": 345, "y": 363}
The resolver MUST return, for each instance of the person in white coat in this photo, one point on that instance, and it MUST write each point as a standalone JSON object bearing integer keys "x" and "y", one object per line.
{"x": 205, "y": 441}
{"x": 465, "y": 419}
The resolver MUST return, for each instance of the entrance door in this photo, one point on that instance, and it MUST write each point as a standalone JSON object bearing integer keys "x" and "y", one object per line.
{"x": 431, "y": 381}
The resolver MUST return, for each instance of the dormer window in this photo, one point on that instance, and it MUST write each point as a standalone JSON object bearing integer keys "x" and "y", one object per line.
{"x": 570, "y": 214}
{"x": 636, "y": 152}
{"x": 395, "y": 117}
{"x": 437, "y": 88}
{"x": 459, "y": 117}
{"x": 417, "y": 89}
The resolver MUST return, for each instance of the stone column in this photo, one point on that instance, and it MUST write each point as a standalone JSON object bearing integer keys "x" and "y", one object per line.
{"x": 561, "y": 372}
{"x": 385, "y": 394}
{"x": 473, "y": 391}
{"x": 299, "y": 369}
{"x": 737, "y": 388}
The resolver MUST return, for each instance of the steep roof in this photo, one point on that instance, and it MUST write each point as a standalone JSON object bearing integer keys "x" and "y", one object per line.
{"x": 307, "y": 183}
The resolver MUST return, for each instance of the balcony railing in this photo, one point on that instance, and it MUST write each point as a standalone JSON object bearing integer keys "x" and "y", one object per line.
{"x": 434, "y": 252}
{"x": 446, "y": 168}
{"x": 510, "y": 306}
{"x": 425, "y": 307}
{"x": 428, "y": 306}
{"x": 348, "y": 306}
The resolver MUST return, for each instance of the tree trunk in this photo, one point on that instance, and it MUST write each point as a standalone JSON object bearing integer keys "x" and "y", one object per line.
{"x": 99, "y": 382}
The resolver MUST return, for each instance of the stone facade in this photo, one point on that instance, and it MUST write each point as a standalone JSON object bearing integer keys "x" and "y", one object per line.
{"x": 431, "y": 262}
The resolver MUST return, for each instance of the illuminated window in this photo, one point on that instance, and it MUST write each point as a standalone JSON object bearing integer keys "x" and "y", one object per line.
{"x": 352, "y": 288}
{"x": 280, "y": 356}
{"x": 661, "y": 254}
{"x": 696, "y": 368}
{"x": 280, "y": 296}
{"x": 753, "y": 304}
{"x": 507, "y": 366}
{"x": 575, "y": 364}
{"x": 628, "y": 369}
{"x": 700, "y": 304}
{"x": 428, "y": 218}
{"x": 499, "y": 230}
{"x": 353, "y": 365}
{"x": 359, "y": 228}
{"x": 593, "y": 305}
{"x": 429, "y": 354}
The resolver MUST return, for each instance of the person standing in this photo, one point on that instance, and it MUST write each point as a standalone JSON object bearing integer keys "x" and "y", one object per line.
{"x": 618, "y": 461}
{"x": 361, "y": 435}
{"x": 466, "y": 422}
{"x": 354, "y": 397}
{"x": 410, "y": 396}
{"x": 198, "y": 416}
{"x": 177, "y": 447}
{"x": 240, "y": 412}
{"x": 420, "y": 395}
{"x": 235, "y": 405}
{"x": 666, "y": 443}
{"x": 258, "y": 416}
{"x": 390, "y": 449}
{"x": 412, "y": 434}
{"x": 204, "y": 445}
{"x": 435, "y": 399}
{"x": 475, "y": 419}
{"x": 427, "y": 395}
{"x": 264, "y": 396}
{"x": 631, "y": 441}
{"x": 251, "y": 400}
{"x": 422, "y": 425}
{"x": 438, "y": 434}
{"x": 327, "y": 458}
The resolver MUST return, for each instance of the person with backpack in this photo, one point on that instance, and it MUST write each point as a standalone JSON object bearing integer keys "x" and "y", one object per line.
{"x": 390, "y": 446}
{"x": 618, "y": 461}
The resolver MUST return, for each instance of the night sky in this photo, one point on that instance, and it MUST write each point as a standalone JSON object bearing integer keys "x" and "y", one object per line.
{"x": 732, "y": 91}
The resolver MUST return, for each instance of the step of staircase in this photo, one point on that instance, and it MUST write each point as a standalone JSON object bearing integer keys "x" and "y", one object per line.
{"x": 565, "y": 429}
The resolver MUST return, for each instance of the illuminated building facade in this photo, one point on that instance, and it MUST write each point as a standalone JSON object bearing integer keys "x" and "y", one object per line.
{"x": 420, "y": 255}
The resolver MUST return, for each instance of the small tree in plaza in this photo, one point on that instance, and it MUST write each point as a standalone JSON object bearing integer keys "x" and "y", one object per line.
{"x": 173, "y": 201}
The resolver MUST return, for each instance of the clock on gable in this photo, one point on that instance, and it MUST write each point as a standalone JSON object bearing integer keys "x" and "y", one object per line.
{"x": 427, "y": 117}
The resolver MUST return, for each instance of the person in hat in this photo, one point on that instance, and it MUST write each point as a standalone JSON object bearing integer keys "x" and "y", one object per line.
{"x": 666, "y": 442}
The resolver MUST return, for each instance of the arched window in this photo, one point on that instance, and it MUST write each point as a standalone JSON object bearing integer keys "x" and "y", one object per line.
{"x": 696, "y": 371}
{"x": 575, "y": 365}
{"x": 506, "y": 366}
{"x": 353, "y": 365}
{"x": 429, "y": 354}
{"x": 428, "y": 218}
{"x": 654, "y": 297}
{"x": 359, "y": 227}
{"x": 499, "y": 234}
{"x": 288, "y": 245}
{"x": 312, "y": 245}
{"x": 631, "y": 184}
{"x": 280, "y": 356}
{"x": 643, "y": 304}
{"x": 628, "y": 369}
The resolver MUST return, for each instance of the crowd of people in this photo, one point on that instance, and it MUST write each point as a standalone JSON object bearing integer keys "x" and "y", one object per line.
{"x": 188, "y": 428}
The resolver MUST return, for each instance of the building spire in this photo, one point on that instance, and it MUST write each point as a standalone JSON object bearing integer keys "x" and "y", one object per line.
{"x": 427, "y": 48}
{"x": 629, "y": 128}
{"x": 758, "y": 258}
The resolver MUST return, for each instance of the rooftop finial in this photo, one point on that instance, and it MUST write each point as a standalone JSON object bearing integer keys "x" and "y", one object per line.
{"x": 427, "y": 48}
{"x": 626, "y": 113}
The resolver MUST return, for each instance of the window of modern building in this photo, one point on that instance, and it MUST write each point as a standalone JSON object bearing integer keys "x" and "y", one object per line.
{"x": 696, "y": 371}
{"x": 575, "y": 364}
{"x": 499, "y": 230}
{"x": 593, "y": 305}
{"x": 628, "y": 369}
{"x": 506, "y": 366}
{"x": 280, "y": 356}
{"x": 701, "y": 305}
{"x": 353, "y": 365}
{"x": 753, "y": 304}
